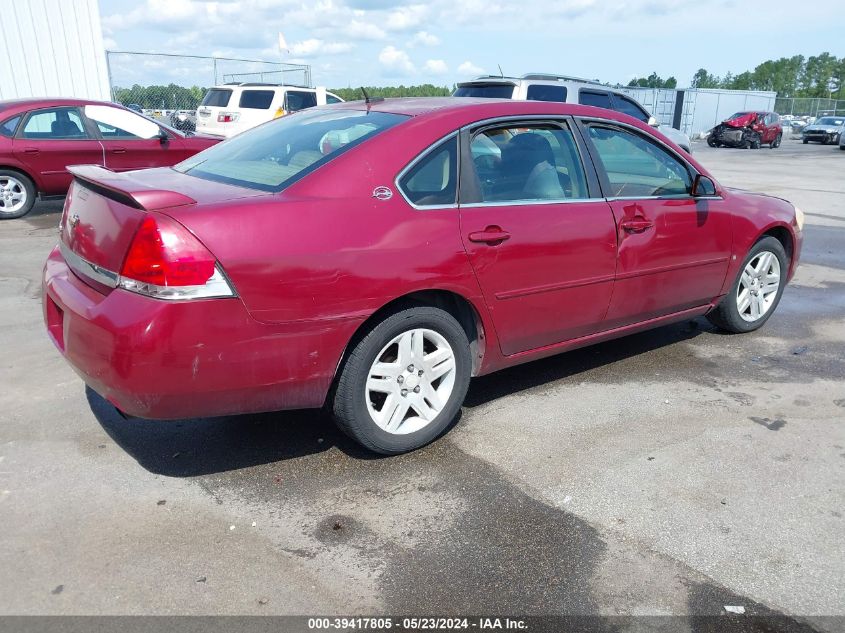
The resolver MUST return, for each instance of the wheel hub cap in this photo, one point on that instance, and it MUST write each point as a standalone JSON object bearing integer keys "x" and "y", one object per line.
{"x": 758, "y": 286}
{"x": 410, "y": 381}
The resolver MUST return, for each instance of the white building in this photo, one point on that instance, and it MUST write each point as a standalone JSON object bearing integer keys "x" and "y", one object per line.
{"x": 52, "y": 48}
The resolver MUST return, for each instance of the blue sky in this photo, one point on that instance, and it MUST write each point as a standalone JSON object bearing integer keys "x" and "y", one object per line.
{"x": 383, "y": 42}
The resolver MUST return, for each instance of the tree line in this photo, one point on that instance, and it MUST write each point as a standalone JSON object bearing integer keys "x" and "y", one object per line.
{"x": 173, "y": 97}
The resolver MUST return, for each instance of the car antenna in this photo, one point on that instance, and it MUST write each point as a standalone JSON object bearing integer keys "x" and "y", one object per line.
{"x": 366, "y": 96}
{"x": 368, "y": 99}
{"x": 501, "y": 74}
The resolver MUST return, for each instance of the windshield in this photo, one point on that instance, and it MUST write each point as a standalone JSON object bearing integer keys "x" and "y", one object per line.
{"x": 736, "y": 115}
{"x": 829, "y": 120}
{"x": 275, "y": 155}
{"x": 487, "y": 91}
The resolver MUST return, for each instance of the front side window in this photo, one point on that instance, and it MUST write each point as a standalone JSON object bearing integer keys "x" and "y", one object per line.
{"x": 54, "y": 124}
{"x": 543, "y": 92}
{"x": 273, "y": 156}
{"x": 256, "y": 99}
{"x": 528, "y": 162}
{"x": 627, "y": 106}
{"x": 637, "y": 168}
{"x": 296, "y": 100}
{"x": 8, "y": 127}
{"x": 117, "y": 123}
{"x": 433, "y": 180}
{"x": 217, "y": 98}
{"x": 593, "y": 98}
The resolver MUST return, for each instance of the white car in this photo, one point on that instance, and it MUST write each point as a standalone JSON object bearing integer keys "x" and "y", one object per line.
{"x": 232, "y": 108}
{"x": 564, "y": 89}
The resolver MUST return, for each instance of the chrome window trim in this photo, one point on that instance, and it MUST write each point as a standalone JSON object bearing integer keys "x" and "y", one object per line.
{"x": 527, "y": 203}
{"x": 90, "y": 270}
{"x": 419, "y": 157}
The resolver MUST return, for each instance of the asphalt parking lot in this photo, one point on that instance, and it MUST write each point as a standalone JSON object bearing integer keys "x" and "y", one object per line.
{"x": 671, "y": 472}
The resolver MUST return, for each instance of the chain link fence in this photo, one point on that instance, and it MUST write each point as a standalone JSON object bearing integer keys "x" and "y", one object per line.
{"x": 171, "y": 87}
{"x": 809, "y": 106}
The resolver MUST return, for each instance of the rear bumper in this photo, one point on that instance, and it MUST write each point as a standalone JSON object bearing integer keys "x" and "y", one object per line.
{"x": 168, "y": 360}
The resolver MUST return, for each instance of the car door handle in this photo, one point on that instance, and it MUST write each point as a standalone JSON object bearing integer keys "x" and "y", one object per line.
{"x": 32, "y": 151}
{"x": 118, "y": 150}
{"x": 636, "y": 225}
{"x": 492, "y": 235}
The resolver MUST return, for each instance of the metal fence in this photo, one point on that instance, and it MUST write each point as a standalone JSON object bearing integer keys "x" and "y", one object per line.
{"x": 809, "y": 106}
{"x": 170, "y": 87}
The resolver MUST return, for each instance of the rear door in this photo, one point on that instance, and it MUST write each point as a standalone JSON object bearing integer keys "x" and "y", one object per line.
{"x": 541, "y": 241}
{"x": 673, "y": 248}
{"x": 214, "y": 104}
{"x": 131, "y": 141}
{"x": 50, "y": 139}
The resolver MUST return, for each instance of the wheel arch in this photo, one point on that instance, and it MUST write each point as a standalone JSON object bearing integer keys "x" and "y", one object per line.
{"x": 783, "y": 235}
{"x": 23, "y": 172}
{"x": 466, "y": 313}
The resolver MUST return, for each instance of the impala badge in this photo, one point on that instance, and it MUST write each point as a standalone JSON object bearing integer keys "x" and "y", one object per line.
{"x": 73, "y": 220}
{"x": 382, "y": 193}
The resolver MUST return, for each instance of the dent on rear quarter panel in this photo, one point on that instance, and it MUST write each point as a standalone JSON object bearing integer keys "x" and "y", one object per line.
{"x": 326, "y": 253}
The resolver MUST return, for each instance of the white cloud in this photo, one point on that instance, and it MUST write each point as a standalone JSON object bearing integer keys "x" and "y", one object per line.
{"x": 364, "y": 31}
{"x": 424, "y": 38}
{"x": 395, "y": 60}
{"x": 436, "y": 67}
{"x": 406, "y": 18}
{"x": 468, "y": 68}
{"x": 315, "y": 47}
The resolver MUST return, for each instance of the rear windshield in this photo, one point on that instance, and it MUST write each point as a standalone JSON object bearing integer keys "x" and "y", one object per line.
{"x": 277, "y": 154}
{"x": 256, "y": 99}
{"x": 487, "y": 91}
{"x": 217, "y": 97}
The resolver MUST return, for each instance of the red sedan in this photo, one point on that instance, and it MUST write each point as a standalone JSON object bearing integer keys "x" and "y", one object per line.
{"x": 373, "y": 257}
{"x": 40, "y": 137}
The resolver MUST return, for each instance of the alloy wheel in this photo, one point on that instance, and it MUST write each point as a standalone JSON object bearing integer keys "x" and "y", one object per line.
{"x": 758, "y": 286}
{"x": 12, "y": 195}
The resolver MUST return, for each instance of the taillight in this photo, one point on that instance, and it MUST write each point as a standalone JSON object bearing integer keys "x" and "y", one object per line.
{"x": 227, "y": 117}
{"x": 167, "y": 262}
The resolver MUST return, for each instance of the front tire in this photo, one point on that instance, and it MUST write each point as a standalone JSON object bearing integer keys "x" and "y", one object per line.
{"x": 17, "y": 194}
{"x": 757, "y": 290}
{"x": 404, "y": 382}
{"x": 776, "y": 143}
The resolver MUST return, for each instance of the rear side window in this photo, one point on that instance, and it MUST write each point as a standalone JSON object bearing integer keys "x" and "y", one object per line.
{"x": 333, "y": 99}
{"x": 597, "y": 99}
{"x": 8, "y": 127}
{"x": 272, "y": 156}
{"x": 488, "y": 91}
{"x": 217, "y": 98}
{"x": 256, "y": 99}
{"x": 627, "y": 106}
{"x": 55, "y": 123}
{"x": 540, "y": 92}
{"x": 296, "y": 100}
{"x": 434, "y": 179}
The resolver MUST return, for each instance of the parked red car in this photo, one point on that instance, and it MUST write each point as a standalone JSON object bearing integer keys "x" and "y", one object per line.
{"x": 748, "y": 130}
{"x": 375, "y": 257}
{"x": 40, "y": 137}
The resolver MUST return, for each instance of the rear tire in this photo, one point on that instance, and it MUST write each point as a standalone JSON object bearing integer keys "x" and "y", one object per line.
{"x": 752, "y": 297}
{"x": 404, "y": 382}
{"x": 17, "y": 194}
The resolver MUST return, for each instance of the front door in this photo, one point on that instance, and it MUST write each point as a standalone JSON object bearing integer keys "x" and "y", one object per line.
{"x": 543, "y": 249}
{"x": 51, "y": 139}
{"x": 673, "y": 248}
{"x": 131, "y": 141}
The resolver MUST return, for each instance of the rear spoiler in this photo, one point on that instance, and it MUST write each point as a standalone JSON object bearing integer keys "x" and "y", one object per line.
{"x": 126, "y": 190}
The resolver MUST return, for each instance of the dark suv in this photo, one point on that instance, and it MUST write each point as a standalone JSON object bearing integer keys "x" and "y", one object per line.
{"x": 748, "y": 130}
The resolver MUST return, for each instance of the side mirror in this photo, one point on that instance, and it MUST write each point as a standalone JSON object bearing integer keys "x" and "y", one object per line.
{"x": 163, "y": 138}
{"x": 653, "y": 122}
{"x": 703, "y": 186}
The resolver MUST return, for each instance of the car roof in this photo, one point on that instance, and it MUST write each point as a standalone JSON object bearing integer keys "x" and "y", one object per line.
{"x": 472, "y": 107}
{"x": 46, "y": 102}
